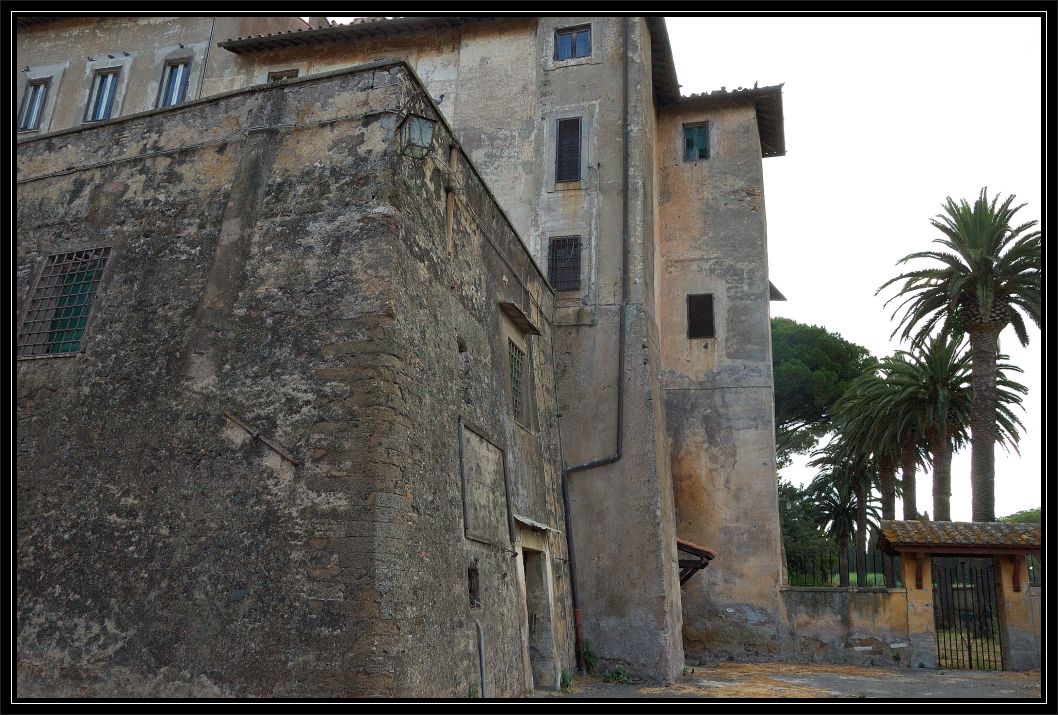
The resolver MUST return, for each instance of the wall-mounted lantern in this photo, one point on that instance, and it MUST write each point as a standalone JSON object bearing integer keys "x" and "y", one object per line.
{"x": 416, "y": 134}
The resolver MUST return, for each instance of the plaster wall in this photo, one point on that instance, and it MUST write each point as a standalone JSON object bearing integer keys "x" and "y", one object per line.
{"x": 306, "y": 278}
{"x": 718, "y": 391}
{"x": 71, "y": 50}
{"x": 1019, "y": 616}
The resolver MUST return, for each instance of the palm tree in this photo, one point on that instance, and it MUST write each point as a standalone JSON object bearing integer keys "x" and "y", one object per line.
{"x": 988, "y": 276}
{"x": 842, "y": 493}
{"x": 933, "y": 382}
{"x": 867, "y": 417}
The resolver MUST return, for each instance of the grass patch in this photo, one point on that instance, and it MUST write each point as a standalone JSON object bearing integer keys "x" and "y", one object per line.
{"x": 617, "y": 674}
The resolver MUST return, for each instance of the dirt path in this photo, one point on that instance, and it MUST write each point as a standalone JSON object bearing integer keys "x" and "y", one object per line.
{"x": 790, "y": 680}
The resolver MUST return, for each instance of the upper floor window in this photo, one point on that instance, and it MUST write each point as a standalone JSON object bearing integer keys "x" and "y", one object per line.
{"x": 517, "y": 362}
{"x": 700, "y": 316}
{"x": 695, "y": 141}
{"x": 563, "y": 262}
{"x": 29, "y": 115}
{"x": 61, "y": 303}
{"x": 174, "y": 83}
{"x": 573, "y": 42}
{"x": 101, "y": 99}
{"x": 567, "y": 160}
{"x": 282, "y": 74}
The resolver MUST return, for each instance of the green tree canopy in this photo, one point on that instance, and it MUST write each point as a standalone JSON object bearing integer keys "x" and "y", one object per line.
{"x": 812, "y": 368}
{"x": 1025, "y": 516}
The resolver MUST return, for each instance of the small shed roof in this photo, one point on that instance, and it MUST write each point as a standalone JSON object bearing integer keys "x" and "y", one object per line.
{"x": 959, "y": 537}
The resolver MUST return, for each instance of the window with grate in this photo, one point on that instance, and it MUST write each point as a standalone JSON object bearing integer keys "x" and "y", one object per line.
{"x": 700, "y": 316}
{"x": 573, "y": 42}
{"x": 282, "y": 74}
{"x": 518, "y": 383}
{"x": 567, "y": 160}
{"x": 33, "y": 101}
{"x": 695, "y": 141}
{"x": 174, "y": 83}
{"x": 563, "y": 262}
{"x": 61, "y": 303}
{"x": 101, "y": 100}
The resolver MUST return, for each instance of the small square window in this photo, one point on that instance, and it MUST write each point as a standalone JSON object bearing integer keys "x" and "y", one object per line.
{"x": 700, "y": 316}
{"x": 567, "y": 150}
{"x": 101, "y": 100}
{"x": 282, "y": 74}
{"x": 518, "y": 382}
{"x": 61, "y": 303}
{"x": 573, "y": 42}
{"x": 563, "y": 262}
{"x": 33, "y": 102}
{"x": 695, "y": 141}
{"x": 174, "y": 83}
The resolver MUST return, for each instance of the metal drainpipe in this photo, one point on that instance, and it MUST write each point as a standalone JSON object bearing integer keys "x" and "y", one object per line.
{"x": 619, "y": 451}
{"x": 205, "y": 58}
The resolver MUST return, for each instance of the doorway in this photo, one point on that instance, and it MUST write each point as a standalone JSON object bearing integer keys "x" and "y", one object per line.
{"x": 965, "y": 615}
{"x": 538, "y": 616}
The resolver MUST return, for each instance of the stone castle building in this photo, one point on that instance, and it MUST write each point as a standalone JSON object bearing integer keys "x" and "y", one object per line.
{"x": 414, "y": 356}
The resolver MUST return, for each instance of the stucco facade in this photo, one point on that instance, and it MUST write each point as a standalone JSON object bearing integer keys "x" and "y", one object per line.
{"x": 637, "y": 434}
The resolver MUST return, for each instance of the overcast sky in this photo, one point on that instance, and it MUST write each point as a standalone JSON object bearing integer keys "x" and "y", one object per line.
{"x": 884, "y": 118}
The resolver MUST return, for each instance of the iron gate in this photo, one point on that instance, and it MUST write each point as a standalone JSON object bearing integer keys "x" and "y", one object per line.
{"x": 965, "y": 615}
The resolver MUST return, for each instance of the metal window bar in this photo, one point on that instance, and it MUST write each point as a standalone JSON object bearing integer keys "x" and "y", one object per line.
{"x": 61, "y": 303}
{"x": 567, "y": 159}
{"x": 29, "y": 115}
{"x": 1035, "y": 570}
{"x": 517, "y": 365}
{"x": 563, "y": 262}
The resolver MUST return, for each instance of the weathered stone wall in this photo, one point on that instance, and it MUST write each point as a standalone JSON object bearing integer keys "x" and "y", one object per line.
{"x": 1019, "y": 615}
{"x": 718, "y": 391}
{"x": 847, "y": 625}
{"x": 275, "y": 257}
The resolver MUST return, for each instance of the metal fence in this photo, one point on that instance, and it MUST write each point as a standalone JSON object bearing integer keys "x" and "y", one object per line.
{"x": 1035, "y": 570}
{"x": 821, "y": 567}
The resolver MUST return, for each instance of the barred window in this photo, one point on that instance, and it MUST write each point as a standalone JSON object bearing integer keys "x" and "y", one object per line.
{"x": 517, "y": 365}
{"x": 563, "y": 262}
{"x": 101, "y": 100}
{"x": 61, "y": 303}
{"x": 700, "y": 316}
{"x": 567, "y": 160}
{"x": 174, "y": 83}
{"x": 33, "y": 105}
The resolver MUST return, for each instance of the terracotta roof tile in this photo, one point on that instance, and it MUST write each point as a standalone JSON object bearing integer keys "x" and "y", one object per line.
{"x": 960, "y": 533}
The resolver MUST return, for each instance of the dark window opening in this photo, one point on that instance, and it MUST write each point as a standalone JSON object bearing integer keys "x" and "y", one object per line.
{"x": 695, "y": 142}
{"x": 573, "y": 42}
{"x": 61, "y": 303}
{"x": 101, "y": 100}
{"x": 474, "y": 584}
{"x": 174, "y": 83}
{"x": 282, "y": 74}
{"x": 567, "y": 159}
{"x": 700, "y": 316}
{"x": 518, "y": 382}
{"x": 563, "y": 262}
{"x": 33, "y": 101}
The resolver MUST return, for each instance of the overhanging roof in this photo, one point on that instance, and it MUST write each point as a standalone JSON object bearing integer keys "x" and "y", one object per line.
{"x": 959, "y": 536}
{"x": 766, "y": 101}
